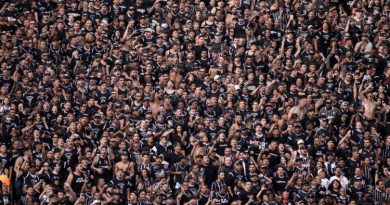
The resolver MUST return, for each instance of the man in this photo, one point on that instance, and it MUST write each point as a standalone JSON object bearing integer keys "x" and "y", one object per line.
{"x": 247, "y": 193}
{"x": 331, "y": 112}
{"x": 304, "y": 193}
{"x": 379, "y": 196}
{"x": 120, "y": 181}
{"x": 356, "y": 192}
{"x": 385, "y": 152}
{"x": 217, "y": 185}
{"x": 338, "y": 175}
{"x": 29, "y": 197}
{"x": 6, "y": 80}
{"x": 222, "y": 197}
{"x": 368, "y": 103}
{"x": 179, "y": 170}
{"x": 102, "y": 164}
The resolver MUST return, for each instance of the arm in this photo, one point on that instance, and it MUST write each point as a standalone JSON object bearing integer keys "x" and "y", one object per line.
{"x": 69, "y": 179}
{"x": 178, "y": 198}
{"x": 291, "y": 181}
{"x": 316, "y": 43}
{"x": 253, "y": 2}
{"x": 377, "y": 177}
{"x": 42, "y": 194}
{"x": 258, "y": 195}
{"x": 3, "y": 8}
{"x": 292, "y": 160}
{"x": 291, "y": 112}
{"x": 100, "y": 171}
{"x": 290, "y": 20}
{"x": 281, "y": 49}
{"x": 346, "y": 29}
{"x": 346, "y": 137}
{"x": 255, "y": 91}
{"x": 86, "y": 180}
{"x": 299, "y": 48}
{"x": 355, "y": 91}
{"x": 72, "y": 194}
{"x": 151, "y": 9}
{"x": 361, "y": 94}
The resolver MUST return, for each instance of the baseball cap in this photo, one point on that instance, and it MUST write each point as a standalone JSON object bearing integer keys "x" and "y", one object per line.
{"x": 96, "y": 202}
{"x": 149, "y": 30}
{"x": 358, "y": 178}
{"x": 301, "y": 142}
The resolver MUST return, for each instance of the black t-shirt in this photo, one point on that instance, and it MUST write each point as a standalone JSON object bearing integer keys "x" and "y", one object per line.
{"x": 324, "y": 39}
{"x": 245, "y": 195}
{"x": 356, "y": 193}
{"x": 210, "y": 174}
{"x": 31, "y": 99}
{"x": 172, "y": 158}
{"x": 222, "y": 199}
{"x": 279, "y": 184}
{"x": 123, "y": 184}
{"x": 9, "y": 82}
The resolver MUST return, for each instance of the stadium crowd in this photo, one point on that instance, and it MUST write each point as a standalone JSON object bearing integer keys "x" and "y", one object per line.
{"x": 191, "y": 102}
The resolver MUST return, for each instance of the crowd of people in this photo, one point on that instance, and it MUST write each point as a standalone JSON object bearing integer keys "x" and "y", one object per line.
{"x": 193, "y": 102}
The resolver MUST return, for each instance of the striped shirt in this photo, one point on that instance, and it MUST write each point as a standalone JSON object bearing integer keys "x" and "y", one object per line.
{"x": 379, "y": 197}
{"x": 367, "y": 170}
{"x": 385, "y": 152}
{"x": 217, "y": 185}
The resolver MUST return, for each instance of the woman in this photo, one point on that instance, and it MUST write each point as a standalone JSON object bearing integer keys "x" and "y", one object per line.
{"x": 5, "y": 106}
{"x": 145, "y": 179}
{"x": 46, "y": 194}
{"x": 334, "y": 188}
{"x": 203, "y": 195}
{"x": 170, "y": 89}
{"x": 132, "y": 199}
{"x": 358, "y": 132}
{"x": 343, "y": 196}
{"x": 284, "y": 164}
{"x": 45, "y": 173}
{"x": 191, "y": 79}
{"x": 283, "y": 152}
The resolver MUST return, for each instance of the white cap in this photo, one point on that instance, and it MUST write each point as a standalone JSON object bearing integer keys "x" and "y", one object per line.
{"x": 149, "y": 30}
{"x": 216, "y": 77}
{"x": 96, "y": 202}
{"x": 301, "y": 141}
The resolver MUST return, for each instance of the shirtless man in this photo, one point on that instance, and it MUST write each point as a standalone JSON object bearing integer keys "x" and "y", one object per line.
{"x": 126, "y": 166}
{"x": 369, "y": 105}
{"x": 299, "y": 110}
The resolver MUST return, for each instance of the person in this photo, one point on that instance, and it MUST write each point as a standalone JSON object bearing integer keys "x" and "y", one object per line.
{"x": 379, "y": 195}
